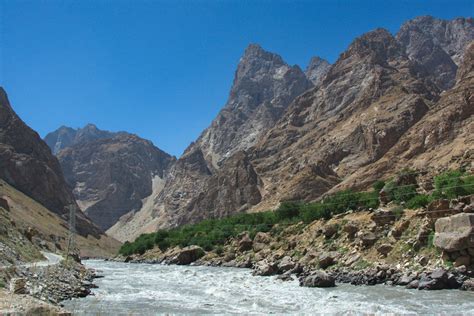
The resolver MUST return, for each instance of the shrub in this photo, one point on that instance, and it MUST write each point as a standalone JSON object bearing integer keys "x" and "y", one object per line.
{"x": 452, "y": 184}
{"x": 378, "y": 185}
{"x": 420, "y": 200}
{"x": 400, "y": 193}
{"x": 288, "y": 209}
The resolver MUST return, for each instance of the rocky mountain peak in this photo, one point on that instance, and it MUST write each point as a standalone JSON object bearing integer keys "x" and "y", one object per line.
{"x": 466, "y": 69}
{"x": 317, "y": 69}
{"x": 378, "y": 46}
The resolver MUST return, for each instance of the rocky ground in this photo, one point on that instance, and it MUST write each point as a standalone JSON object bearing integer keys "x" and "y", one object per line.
{"x": 428, "y": 249}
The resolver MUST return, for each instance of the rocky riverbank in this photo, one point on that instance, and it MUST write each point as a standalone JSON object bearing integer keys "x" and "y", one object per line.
{"x": 428, "y": 249}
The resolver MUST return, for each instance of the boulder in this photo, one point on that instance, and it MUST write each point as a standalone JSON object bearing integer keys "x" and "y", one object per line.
{"x": 455, "y": 232}
{"x": 327, "y": 259}
{"x": 187, "y": 255}
{"x": 286, "y": 264}
{"x": 437, "y": 208}
{"x": 245, "y": 243}
{"x": 366, "y": 238}
{"x": 4, "y": 204}
{"x": 265, "y": 268}
{"x": 351, "y": 228}
{"x": 258, "y": 246}
{"x": 384, "y": 249}
{"x": 462, "y": 261}
{"x": 383, "y": 217}
{"x": 263, "y": 238}
{"x": 468, "y": 285}
{"x": 18, "y": 286}
{"x": 330, "y": 230}
{"x": 399, "y": 228}
{"x": 318, "y": 279}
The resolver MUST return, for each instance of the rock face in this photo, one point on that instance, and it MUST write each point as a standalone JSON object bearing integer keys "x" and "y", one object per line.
{"x": 28, "y": 165}
{"x": 111, "y": 176}
{"x": 66, "y": 137}
{"x": 438, "y": 45}
{"x": 317, "y": 69}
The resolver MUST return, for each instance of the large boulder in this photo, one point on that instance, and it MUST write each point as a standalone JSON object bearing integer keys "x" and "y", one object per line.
{"x": 383, "y": 217}
{"x": 330, "y": 230}
{"x": 245, "y": 243}
{"x": 4, "y": 204}
{"x": 18, "y": 286}
{"x": 286, "y": 264}
{"x": 327, "y": 259}
{"x": 351, "y": 228}
{"x": 455, "y": 232}
{"x": 367, "y": 238}
{"x": 187, "y": 255}
{"x": 318, "y": 279}
{"x": 265, "y": 268}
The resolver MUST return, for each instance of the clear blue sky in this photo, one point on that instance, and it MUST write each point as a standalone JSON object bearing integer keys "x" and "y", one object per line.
{"x": 163, "y": 69}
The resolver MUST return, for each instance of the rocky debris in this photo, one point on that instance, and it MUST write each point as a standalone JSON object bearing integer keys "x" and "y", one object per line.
{"x": 286, "y": 264}
{"x": 186, "y": 255}
{"x": 437, "y": 209}
{"x": 423, "y": 233}
{"x": 383, "y": 217}
{"x": 14, "y": 304}
{"x": 318, "y": 279}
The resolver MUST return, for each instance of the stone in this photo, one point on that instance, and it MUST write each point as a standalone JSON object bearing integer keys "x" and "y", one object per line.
{"x": 4, "y": 204}
{"x": 455, "y": 232}
{"x": 329, "y": 230}
{"x": 468, "y": 285}
{"x": 18, "y": 286}
{"x": 286, "y": 264}
{"x": 257, "y": 246}
{"x": 262, "y": 237}
{"x": 351, "y": 228}
{"x": 327, "y": 259}
{"x": 462, "y": 261}
{"x": 318, "y": 279}
{"x": 245, "y": 243}
{"x": 187, "y": 255}
{"x": 366, "y": 238}
{"x": 384, "y": 249}
{"x": 383, "y": 217}
{"x": 399, "y": 228}
{"x": 265, "y": 268}
{"x": 437, "y": 208}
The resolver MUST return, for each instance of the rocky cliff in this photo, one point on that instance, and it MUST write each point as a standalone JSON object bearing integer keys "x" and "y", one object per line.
{"x": 110, "y": 176}
{"x": 28, "y": 165}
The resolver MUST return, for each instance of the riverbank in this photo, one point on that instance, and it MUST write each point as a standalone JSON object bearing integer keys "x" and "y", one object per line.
{"x": 388, "y": 245}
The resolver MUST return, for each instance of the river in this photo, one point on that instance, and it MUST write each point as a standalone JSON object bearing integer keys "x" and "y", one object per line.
{"x": 142, "y": 289}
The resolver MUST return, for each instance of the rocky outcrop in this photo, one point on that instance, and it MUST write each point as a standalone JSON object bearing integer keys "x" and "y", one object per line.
{"x": 455, "y": 233}
{"x": 29, "y": 166}
{"x": 111, "y": 176}
{"x": 318, "y": 279}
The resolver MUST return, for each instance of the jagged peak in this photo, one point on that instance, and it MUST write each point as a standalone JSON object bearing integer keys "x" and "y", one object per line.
{"x": 466, "y": 69}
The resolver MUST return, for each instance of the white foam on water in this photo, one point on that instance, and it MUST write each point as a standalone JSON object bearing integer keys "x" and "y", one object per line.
{"x": 141, "y": 289}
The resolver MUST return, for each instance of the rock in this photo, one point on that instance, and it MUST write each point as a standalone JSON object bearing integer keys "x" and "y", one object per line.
{"x": 366, "y": 238}
{"x": 468, "y": 285}
{"x": 327, "y": 259}
{"x": 423, "y": 233}
{"x": 455, "y": 232}
{"x": 352, "y": 259}
{"x": 384, "y": 249}
{"x": 187, "y": 255}
{"x": 257, "y": 246}
{"x": 462, "y": 261}
{"x": 263, "y": 238}
{"x": 383, "y": 217}
{"x": 405, "y": 280}
{"x": 399, "y": 228}
{"x": 330, "y": 230}
{"x": 4, "y": 204}
{"x": 351, "y": 228}
{"x": 245, "y": 243}
{"x": 468, "y": 208}
{"x": 413, "y": 284}
{"x": 285, "y": 277}
{"x": 286, "y": 264}
{"x": 18, "y": 286}
{"x": 318, "y": 279}
{"x": 437, "y": 208}
{"x": 265, "y": 268}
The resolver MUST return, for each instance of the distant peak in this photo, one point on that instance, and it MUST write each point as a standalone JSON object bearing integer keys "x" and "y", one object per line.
{"x": 378, "y": 44}
{"x": 256, "y": 52}
{"x": 90, "y": 126}
{"x": 317, "y": 69}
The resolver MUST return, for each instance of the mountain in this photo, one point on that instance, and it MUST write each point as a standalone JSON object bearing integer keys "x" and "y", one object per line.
{"x": 110, "y": 173}
{"x": 29, "y": 167}
{"x": 66, "y": 136}
{"x": 437, "y": 45}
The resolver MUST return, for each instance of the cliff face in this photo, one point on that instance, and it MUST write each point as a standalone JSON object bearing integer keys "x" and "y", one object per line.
{"x": 387, "y": 103}
{"x": 28, "y": 165}
{"x": 111, "y": 176}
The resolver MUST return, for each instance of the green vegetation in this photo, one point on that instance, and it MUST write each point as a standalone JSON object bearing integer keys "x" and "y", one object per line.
{"x": 211, "y": 234}
{"x": 2, "y": 284}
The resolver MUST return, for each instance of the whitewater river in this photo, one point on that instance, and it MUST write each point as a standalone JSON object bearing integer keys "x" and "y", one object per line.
{"x": 142, "y": 289}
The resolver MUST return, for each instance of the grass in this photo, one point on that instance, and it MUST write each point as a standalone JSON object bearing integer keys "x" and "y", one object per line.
{"x": 2, "y": 284}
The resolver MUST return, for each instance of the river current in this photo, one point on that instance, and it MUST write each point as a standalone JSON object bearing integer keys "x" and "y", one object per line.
{"x": 143, "y": 289}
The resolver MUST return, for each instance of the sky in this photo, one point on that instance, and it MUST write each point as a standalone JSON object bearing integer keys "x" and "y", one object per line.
{"x": 163, "y": 69}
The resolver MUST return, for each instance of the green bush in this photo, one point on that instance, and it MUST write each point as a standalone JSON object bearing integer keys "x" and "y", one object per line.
{"x": 420, "y": 200}
{"x": 400, "y": 193}
{"x": 452, "y": 184}
{"x": 288, "y": 210}
{"x": 378, "y": 185}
